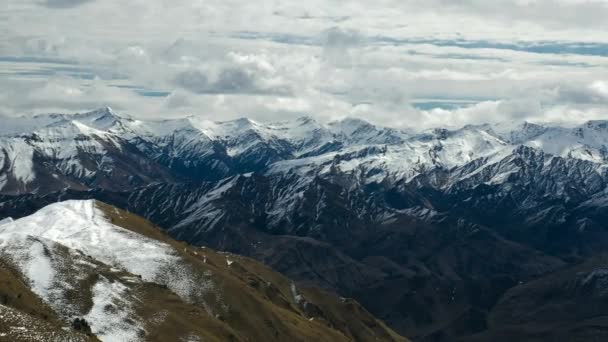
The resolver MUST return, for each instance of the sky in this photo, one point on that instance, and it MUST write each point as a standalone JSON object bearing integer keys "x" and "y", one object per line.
{"x": 399, "y": 63}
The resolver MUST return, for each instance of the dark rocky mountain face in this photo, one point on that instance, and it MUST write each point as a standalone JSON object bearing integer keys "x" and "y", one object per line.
{"x": 566, "y": 305}
{"x": 438, "y": 233}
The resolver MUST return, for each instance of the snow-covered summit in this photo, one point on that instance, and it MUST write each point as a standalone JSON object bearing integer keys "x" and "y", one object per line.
{"x": 88, "y": 149}
{"x": 358, "y": 132}
{"x": 101, "y": 119}
{"x": 85, "y": 229}
{"x": 63, "y": 244}
{"x": 302, "y": 132}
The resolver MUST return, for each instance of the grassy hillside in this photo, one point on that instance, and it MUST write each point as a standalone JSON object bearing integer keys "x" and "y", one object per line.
{"x": 239, "y": 299}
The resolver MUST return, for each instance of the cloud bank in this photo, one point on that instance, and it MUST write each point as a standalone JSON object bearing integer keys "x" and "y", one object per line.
{"x": 399, "y": 63}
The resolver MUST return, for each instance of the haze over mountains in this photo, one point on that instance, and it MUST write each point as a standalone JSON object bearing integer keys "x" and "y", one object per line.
{"x": 444, "y": 233}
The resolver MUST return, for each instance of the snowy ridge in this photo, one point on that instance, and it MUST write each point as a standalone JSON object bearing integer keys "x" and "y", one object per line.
{"x": 53, "y": 248}
{"x": 91, "y": 270}
{"x": 414, "y": 156}
{"x": 102, "y": 150}
{"x": 112, "y": 325}
{"x": 80, "y": 226}
{"x": 86, "y": 150}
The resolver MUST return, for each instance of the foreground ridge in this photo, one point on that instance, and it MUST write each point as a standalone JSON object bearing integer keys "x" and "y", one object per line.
{"x": 84, "y": 270}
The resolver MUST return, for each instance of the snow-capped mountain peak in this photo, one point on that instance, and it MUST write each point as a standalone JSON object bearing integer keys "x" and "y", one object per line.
{"x": 517, "y": 132}
{"x": 355, "y": 131}
{"x": 351, "y": 125}
{"x": 88, "y": 145}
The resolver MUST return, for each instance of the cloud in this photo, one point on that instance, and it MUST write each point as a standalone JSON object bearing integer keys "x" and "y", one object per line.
{"x": 193, "y": 80}
{"x": 65, "y": 3}
{"x": 600, "y": 89}
{"x": 399, "y": 63}
{"x": 235, "y": 81}
{"x": 228, "y": 81}
{"x": 336, "y": 37}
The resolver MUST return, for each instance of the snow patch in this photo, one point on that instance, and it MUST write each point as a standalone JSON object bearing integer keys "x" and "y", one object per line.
{"x": 297, "y": 297}
{"x": 112, "y": 317}
{"x": 32, "y": 257}
{"x": 19, "y": 160}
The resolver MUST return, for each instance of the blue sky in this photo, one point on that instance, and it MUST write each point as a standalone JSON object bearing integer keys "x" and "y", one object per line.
{"x": 400, "y": 63}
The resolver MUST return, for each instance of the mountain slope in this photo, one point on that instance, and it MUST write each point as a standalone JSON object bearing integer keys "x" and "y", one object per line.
{"x": 101, "y": 149}
{"x": 427, "y": 229}
{"x": 25, "y": 317}
{"x": 129, "y": 281}
{"x": 569, "y": 305}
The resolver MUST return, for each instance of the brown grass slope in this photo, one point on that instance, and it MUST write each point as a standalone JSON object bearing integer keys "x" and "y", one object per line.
{"x": 25, "y": 317}
{"x": 249, "y": 302}
{"x": 264, "y": 305}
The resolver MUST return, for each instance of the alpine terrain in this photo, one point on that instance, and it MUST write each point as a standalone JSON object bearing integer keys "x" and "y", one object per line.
{"x": 87, "y": 271}
{"x": 479, "y": 233}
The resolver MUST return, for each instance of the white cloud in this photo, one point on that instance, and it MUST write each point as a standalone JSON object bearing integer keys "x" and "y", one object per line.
{"x": 600, "y": 88}
{"x": 65, "y": 3}
{"x": 393, "y": 62}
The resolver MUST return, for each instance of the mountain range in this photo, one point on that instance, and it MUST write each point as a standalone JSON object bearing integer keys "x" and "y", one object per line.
{"x": 475, "y": 233}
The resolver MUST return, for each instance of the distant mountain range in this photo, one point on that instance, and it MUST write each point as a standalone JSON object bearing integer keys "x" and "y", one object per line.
{"x": 437, "y": 232}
